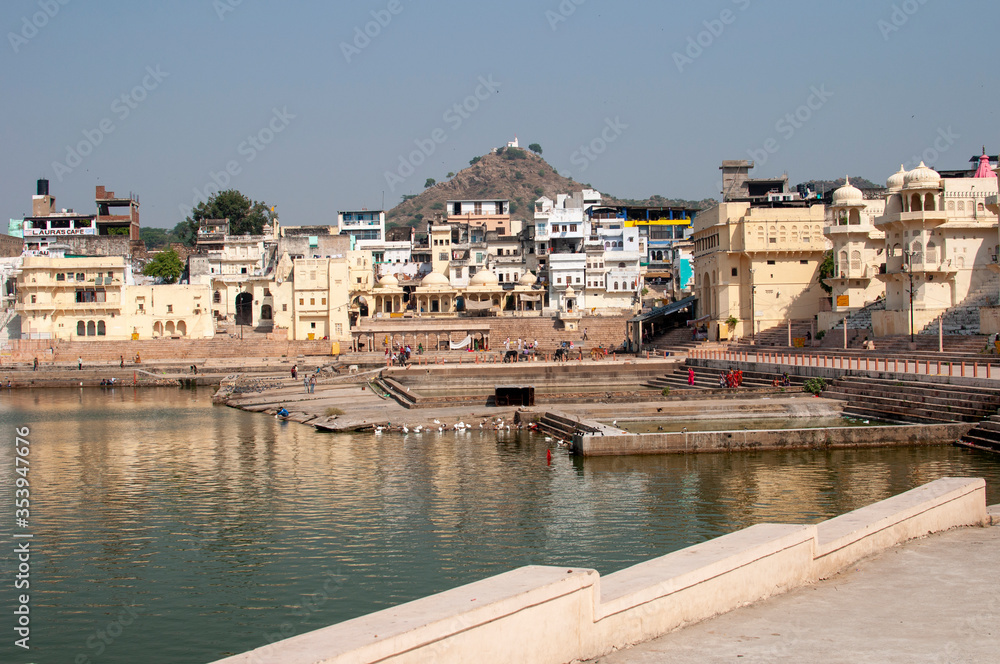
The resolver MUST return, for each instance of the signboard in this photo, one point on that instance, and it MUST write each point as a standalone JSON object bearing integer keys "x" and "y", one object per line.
{"x": 843, "y": 300}
{"x": 49, "y": 232}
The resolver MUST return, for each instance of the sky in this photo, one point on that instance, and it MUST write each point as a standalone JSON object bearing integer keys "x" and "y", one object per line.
{"x": 315, "y": 107}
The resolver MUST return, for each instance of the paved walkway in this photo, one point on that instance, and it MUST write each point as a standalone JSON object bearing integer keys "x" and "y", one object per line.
{"x": 935, "y": 599}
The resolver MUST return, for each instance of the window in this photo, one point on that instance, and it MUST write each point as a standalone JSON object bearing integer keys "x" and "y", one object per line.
{"x": 34, "y": 299}
{"x": 302, "y": 301}
{"x": 170, "y": 308}
{"x": 734, "y": 272}
{"x": 312, "y": 326}
{"x": 323, "y": 301}
{"x": 141, "y": 306}
{"x": 217, "y": 297}
{"x": 80, "y": 276}
{"x": 284, "y": 307}
{"x": 339, "y": 327}
{"x": 60, "y": 277}
{"x": 312, "y": 301}
{"x": 770, "y": 262}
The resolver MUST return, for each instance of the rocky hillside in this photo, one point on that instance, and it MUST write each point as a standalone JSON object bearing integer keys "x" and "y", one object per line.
{"x": 510, "y": 174}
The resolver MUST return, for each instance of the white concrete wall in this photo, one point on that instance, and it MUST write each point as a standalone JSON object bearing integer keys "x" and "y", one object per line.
{"x": 556, "y": 614}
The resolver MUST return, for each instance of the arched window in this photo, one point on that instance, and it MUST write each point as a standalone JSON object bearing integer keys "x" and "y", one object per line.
{"x": 951, "y": 206}
{"x": 915, "y": 203}
{"x": 855, "y": 261}
{"x": 961, "y": 206}
{"x": 217, "y": 297}
{"x": 81, "y": 329}
{"x": 102, "y": 329}
{"x": 782, "y": 238}
{"x": 855, "y": 218}
{"x": 931, "y": 252}
{"x": 843, "y": 263}
{"x": 917, "y": 253}
{"x": 929, "y": 202}
{"x": 616, "y": 286}
{"x": 91, "y": 329}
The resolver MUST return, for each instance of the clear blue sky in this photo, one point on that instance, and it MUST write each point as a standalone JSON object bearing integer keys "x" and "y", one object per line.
{"x": 891, "y": 85}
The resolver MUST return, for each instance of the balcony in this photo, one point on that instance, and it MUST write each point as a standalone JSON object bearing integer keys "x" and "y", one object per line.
{"x": 993, "y": 204}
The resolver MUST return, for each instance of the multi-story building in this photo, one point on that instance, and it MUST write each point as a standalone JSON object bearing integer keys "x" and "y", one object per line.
{"x": 758, "y": 263}
{"x": 367, "y": 227}
{"x": 939, "y": 233}
{"x": 858, "y": 251}
{"x": 94, "y": 298}
{"x": 493, "y": 215}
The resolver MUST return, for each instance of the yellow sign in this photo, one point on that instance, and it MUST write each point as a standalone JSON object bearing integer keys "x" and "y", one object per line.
{"x": 799, "y": 342}
{"x": 843, "y": 300}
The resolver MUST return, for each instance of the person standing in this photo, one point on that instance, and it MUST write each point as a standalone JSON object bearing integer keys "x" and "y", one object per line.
{"x": 121, "y": 362}
{"x": 690, "y": 376}
{"x": 305, "y": 383}
{"x": 295, "y": 371}
{"x": 79, "y": 363}
{"x": 312, "y": 384}
{"x": 584, "y": 334}
{"x": 35, "y": 365}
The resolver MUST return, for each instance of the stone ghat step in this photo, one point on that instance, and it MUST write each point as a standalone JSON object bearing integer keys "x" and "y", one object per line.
{"x": 897, "y": 409}
{"x": 879, "y": 414}
{"x": 917, "y": 386}
{"x": 976, "y": 440}
{"x": 931, "y": 394}
{"x": 953, "y": 407}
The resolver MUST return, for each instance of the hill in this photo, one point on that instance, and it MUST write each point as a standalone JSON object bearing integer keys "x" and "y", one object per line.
{"x": 511, "y": 174}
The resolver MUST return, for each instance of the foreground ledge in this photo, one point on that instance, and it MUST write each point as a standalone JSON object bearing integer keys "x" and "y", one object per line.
{"x": 556, "y": 614}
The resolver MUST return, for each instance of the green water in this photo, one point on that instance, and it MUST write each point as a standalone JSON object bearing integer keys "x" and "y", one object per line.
{"x": 220, "y": 529}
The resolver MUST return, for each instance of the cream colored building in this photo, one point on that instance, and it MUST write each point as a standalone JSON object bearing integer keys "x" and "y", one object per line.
{"x": 72, "y": 299}
{"x": 858, "y": 253}
{"x": 312, "y": 298}
{"x": 939, "y": 236}
{"x": 758, "y": 264}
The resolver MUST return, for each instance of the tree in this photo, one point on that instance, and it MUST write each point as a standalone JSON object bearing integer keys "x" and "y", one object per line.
{"x": 826, "y": 271}
{"x": 245, "y": 217}
{"x": 165, "y": 265}
{"x": 155, "y": 238}
{"x": 451, "y": 174}
{"x": 536, "y": 148}
{"x": 474, "y": 161}
{"x": 430, "y": 183}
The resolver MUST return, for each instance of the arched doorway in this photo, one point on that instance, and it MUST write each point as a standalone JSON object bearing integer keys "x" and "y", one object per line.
{"x": 265, "y": 312}
{"x": 244, "y": 310}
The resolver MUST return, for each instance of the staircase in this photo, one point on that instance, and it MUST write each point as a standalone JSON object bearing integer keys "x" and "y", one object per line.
{"x": 984, "y": 436}
{"x": 561, "y": 427}
{"x": 707, "y": 378}
{"x": 913, "y": 402}
{"x": 963, "y": 318}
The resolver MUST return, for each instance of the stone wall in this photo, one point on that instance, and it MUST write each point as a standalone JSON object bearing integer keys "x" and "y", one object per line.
{"x": 558, "y": 614}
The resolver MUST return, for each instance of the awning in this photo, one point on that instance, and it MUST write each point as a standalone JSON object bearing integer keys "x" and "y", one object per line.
{"x": 659, "y": 312}
{"x": 699, "y": 320}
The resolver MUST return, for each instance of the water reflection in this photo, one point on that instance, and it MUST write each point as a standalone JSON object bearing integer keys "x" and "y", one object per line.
{"x": 220, "y": 526}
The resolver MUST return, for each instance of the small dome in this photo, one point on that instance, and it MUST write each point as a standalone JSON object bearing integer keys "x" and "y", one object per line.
{"x": 528, "y": 279}
{"x": 896, "y": 180}
{"x": 848, "y": 195}
{"x": 922, "y": 177}
{"x": 388, "y": 280}
{"x": 435, "y": 279}
{"x": 570, "y": 292}
{"x": 484, "y": 278}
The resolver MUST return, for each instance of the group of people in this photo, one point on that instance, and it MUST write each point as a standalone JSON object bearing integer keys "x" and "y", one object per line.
{"x": 731, "y": 379}
{"x": 781, "y": 381}
{"x": 309, "y": 383}
{"x": 107, "y": 382}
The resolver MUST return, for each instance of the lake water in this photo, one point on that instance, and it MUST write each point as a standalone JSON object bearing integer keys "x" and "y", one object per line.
{"x": 169, "y": 530}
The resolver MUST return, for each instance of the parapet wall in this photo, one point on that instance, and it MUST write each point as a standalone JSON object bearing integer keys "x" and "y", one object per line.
{"x": 556, "y": 614}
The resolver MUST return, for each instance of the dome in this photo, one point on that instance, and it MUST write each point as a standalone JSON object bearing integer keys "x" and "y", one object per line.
{"x": 484, "y": 278}
{"x": 570, "y": 292}
{"x": 922, "y": 177}
{"x": 528, "y": 279}
{"x": 435, "y": 279}
{"x": 388, "y": 280}
{"x": 848, "y": 195}
{"x": 896, "y": 180}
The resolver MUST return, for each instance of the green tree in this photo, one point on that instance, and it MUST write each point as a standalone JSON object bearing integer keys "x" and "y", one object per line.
{"x": 430, "y": 183}
{"x": 536, "y": 148}
{"x": 826, "y": 271}
{"x": 474, "y": 161}
{"x": 155, "y": 238}
{"x": 165, "y": 265}
{"x": 246, "y": 217}
{"x": 451, "y": 174}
